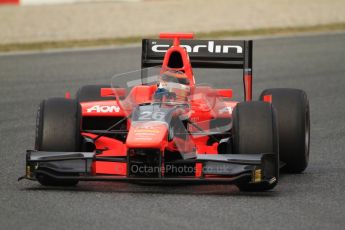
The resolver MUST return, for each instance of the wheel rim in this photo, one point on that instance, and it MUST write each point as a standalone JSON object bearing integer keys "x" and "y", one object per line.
{"x": 307, "y": 134}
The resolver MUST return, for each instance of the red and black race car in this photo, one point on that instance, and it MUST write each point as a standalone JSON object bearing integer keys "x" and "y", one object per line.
{"x": 158, "y": 125}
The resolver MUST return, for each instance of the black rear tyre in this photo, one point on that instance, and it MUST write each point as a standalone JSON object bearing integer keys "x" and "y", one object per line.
{"x": 254, "y": 132}
{"x": 292, "y": 107}
{"x": 58, "y": 129}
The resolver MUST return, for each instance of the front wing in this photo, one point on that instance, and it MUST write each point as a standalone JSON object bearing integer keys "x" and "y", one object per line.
{"x": 210, "y": 168}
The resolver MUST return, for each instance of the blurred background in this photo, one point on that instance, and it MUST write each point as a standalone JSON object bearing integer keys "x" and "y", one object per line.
{"x": 65, "y": 23}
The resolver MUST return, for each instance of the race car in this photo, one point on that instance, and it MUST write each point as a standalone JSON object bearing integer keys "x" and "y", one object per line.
{"x": 158, "y": 125}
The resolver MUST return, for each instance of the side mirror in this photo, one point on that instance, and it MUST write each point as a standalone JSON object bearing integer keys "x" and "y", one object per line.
{"x": 224, "y": 93}
{"x": 113, "y": 92}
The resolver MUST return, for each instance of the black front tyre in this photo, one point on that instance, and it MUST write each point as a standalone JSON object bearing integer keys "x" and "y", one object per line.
{"x": 58, "y": 129}
{"x": 292, "y": 108}
{"x": 255, "y": 132}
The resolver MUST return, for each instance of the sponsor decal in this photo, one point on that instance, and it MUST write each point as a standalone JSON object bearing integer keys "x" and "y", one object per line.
{"x": 209, "y": 47}
{"x": 143, "y": 138}
{"x": 146, "y": 131}
{"x": 104, "y": 109}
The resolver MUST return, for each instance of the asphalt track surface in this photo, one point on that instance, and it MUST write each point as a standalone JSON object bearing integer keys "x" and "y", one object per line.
{"x": 314, "y": 199}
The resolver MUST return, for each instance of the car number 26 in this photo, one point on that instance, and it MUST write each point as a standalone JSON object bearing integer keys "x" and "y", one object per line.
{"x": 150, "y": 115}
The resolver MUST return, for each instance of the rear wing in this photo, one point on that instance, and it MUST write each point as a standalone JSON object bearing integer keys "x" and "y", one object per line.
{"x": 226, "y": 54}
{"x": 202, "y": 53}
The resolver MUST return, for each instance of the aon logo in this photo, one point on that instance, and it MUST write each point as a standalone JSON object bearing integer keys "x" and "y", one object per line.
{"x": 104, "y": 109}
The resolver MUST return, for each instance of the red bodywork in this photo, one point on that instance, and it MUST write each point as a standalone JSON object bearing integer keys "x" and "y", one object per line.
{"x": 141, "y": 136}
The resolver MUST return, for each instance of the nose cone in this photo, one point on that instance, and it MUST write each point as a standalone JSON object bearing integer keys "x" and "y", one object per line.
{"x": 147, "y": 135}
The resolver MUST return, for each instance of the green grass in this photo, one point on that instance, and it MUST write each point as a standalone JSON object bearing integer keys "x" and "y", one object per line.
{"x": 274, "y": 31}
{"x": 137, "y": 39}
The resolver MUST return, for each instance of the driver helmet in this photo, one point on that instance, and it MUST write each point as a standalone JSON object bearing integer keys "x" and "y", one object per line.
{"x": 174, "y": 85}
